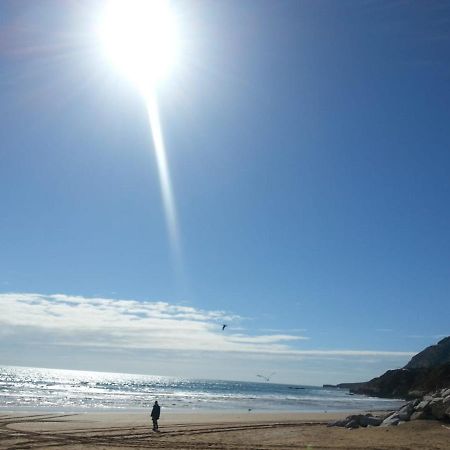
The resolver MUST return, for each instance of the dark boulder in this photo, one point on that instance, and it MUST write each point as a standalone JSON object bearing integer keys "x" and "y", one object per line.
{"x": 370, "y": 421}
{"x": 357, "y": 420}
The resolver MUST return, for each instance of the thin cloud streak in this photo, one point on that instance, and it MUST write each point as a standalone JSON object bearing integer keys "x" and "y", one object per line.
{"x": 65, "y": 320}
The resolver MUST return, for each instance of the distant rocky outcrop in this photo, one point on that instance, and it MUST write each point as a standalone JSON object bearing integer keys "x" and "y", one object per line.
{"x": 349, "y": 385}
{"x": 433, "y": 406}
{"x": 427, "y": 371}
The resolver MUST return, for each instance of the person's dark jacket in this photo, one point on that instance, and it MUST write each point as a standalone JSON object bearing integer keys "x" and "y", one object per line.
{"x": 156, "y": 412}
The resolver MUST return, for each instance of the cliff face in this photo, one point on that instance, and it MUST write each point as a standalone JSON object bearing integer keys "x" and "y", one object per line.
{"x": 433, "y": 356}
{"x": 427, "y": 371}
{"x": 406, "y": 383}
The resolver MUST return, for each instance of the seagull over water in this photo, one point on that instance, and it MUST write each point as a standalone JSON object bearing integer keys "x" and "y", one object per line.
{"x": 266, "y": 378}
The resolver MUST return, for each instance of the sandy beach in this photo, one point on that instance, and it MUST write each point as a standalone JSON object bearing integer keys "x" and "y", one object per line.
{"x": 209, "y": 431}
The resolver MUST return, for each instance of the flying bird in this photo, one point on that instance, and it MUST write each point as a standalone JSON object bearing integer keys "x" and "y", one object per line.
{"x": 224, "y": 326}
{"x": 266, "y": 378}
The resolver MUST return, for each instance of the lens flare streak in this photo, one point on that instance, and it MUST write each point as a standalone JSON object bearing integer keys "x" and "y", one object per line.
{"x": 164, "y": 175}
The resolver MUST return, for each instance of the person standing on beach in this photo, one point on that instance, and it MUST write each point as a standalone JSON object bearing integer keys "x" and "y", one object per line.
{"x": 156, "y": 411}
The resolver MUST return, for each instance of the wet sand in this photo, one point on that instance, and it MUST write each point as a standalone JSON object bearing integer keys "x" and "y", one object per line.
{"x": 249, "y": 430}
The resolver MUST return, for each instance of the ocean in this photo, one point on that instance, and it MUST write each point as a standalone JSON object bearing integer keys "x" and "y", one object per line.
{"x": 27, "y": 388}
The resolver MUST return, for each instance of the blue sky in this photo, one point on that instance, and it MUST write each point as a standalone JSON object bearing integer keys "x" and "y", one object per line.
{"x": 308, "y": 147}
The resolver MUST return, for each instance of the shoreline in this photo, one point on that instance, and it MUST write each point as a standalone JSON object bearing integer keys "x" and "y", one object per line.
{"x": 202, "y": 430}
{"x": 171, "y": 410}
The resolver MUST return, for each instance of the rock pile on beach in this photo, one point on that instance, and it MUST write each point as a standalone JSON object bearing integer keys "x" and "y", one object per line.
{"x": 357, "y": 420}
{"x": 433, "y": 406}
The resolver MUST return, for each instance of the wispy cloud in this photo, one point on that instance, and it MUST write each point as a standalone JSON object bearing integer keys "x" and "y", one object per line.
{"x": 110, "y": 323}
{"x": 424, "y": 336}
{"x": 289, "y": 330}
{"x": 93, "y": 322}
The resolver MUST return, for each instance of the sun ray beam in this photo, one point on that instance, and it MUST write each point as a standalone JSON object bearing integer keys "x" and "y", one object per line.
{"x": 164, "y": 175}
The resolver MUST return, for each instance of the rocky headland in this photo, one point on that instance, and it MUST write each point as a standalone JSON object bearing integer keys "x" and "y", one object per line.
{"x": 425, "y": 380}
{"x": 426, "y": 372}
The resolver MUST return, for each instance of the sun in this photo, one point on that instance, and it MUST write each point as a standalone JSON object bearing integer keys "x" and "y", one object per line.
{"x": 141, "y": 38}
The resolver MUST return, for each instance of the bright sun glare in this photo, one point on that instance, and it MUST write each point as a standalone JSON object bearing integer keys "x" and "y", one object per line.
{"x": 140, "y": 38}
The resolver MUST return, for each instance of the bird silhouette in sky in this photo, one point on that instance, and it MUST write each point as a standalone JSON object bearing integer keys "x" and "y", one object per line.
{"x": 224, "y": 326}
{"x": 266, "y": 378}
